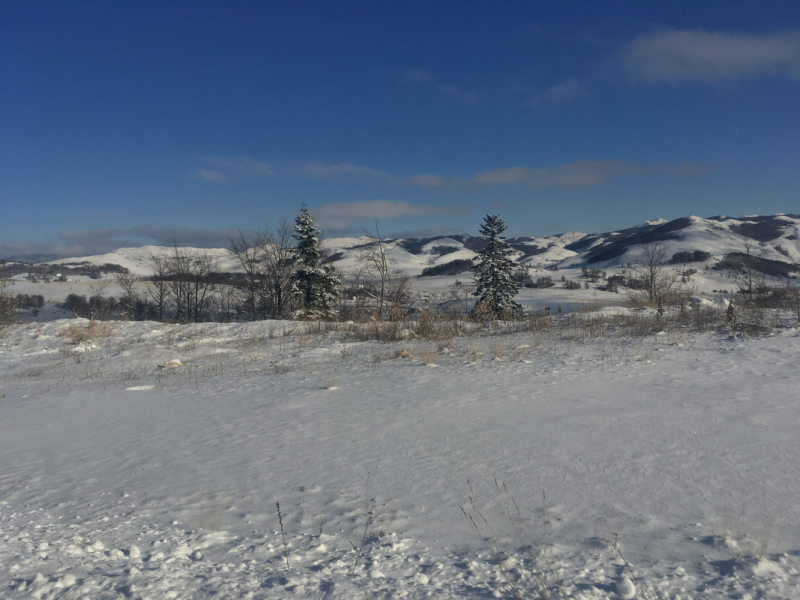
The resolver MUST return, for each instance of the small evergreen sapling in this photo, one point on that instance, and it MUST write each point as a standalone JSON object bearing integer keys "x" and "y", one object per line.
{"x": 496, "y": 284}
{"x": 314, "y": 285}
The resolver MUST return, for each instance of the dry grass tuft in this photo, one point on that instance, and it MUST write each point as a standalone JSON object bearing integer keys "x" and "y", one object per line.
{"x": 78, "y": 334}
{"x": 209, "y": 516}
{"x": 331, "y": 383}
{"x": 429, "y": 358}
{"x": 497, "y": 351}
{"x": 764, "y": 537}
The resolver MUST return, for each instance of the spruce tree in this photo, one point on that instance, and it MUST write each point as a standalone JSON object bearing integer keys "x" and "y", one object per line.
{"x": 314, "y": 285}
{"x": 494, "y": 277}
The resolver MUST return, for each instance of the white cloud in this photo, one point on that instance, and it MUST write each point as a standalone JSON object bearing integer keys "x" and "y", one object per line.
{"x": 583, "y": 173}
{"x": 244, "y": 165}
{"x": 428, "y": 180}
{"x": 508, "y": 176}
{"x": 419, "y": 76}
{"x": 100, "y": 241}
{"x": 694, "y": 56}
{"x": 241, "y": 164}
{"x": 209, "y": 175}
{"x": 341, "y": 215}
{"x": 337, "y": 170}
{"x": 427, "y": 79}
{"x": 576, "y": 174}
{"x": 561, "y": 92}
{"x": 327, "y": 171}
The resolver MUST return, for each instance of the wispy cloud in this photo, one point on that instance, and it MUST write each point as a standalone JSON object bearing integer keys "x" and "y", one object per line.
{"x": 330, "y": 171}
{"x": 241, "y": 164}
{"x": 347, "y": 169}
{"x": 101, "y": 241}
{"x": 428, "y": 80}
{"x": 342, "y": 215}
{"x": 583, "y": 173}
{"x": 428, "y": 232}
{"x": 209, "y": 175}
{"x": 695, "y": 56}
{"x": 576, "y": 174}
{"x": 428, "y": 180}
{"x": 566, "y": 91}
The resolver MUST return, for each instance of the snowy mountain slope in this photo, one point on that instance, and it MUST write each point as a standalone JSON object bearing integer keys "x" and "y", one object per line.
{"x": 136, "y": 260}
{"x": 774, "y": 237}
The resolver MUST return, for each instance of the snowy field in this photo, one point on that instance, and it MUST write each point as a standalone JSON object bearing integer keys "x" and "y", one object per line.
{"x": 147, "y": 464}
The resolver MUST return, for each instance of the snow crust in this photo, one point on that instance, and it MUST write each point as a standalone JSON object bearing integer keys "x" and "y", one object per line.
{"x": 123, "y": 479}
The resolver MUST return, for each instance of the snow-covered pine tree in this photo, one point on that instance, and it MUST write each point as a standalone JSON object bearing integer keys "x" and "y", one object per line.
{"x": 495, "y": 274}
{"x": 314, "y": 285}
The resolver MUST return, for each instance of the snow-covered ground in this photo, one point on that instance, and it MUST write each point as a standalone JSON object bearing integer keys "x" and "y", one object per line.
{"x": 147, "y": 464}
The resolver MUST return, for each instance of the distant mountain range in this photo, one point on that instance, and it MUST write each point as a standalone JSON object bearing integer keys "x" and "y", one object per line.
{"x": 774, "y": 239}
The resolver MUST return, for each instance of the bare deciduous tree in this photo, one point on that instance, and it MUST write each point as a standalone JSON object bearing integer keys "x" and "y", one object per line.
{"x": 748, "y": 279}
{"x": 130, "y": 299}
{"x": 384, "y": 289}
{"x": 277, "y": 256}
{"x": 246, "y": 252}
{"x": 401, "y": 302}
{"x": 99, "y": 308}
{"x": 374, "y": 259}
{"x": 656, "y": 280}
{"x": 352, "y": 298}
{"x": 460, "y": 295}
{"x": 192, "y": 277}
{"x": 267, "y": 261}
{"x": 158, "y": 287}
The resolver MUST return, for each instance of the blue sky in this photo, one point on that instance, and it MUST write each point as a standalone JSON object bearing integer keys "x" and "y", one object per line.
{"x": 137, "y": 122}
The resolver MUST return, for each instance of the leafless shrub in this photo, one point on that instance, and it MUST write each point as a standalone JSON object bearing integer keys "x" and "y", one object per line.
{"x": 279, "y": 368}
{"x": 130, "y": 373}
{"x": 76, "y": 355}
{"x": 35, "y": 372}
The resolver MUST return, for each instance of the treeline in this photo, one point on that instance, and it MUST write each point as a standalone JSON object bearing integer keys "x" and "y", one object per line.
{"x": 30, "y": 301}
{"x": 185, "y": 286}
{"x": 47, "y": 272}
{"x": 454, "y": 267}
{"x": 188, "y": 286}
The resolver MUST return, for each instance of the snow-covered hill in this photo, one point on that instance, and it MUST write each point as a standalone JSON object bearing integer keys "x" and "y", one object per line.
{"x": 137, "y": 260}
{"x": 774, "y": 238}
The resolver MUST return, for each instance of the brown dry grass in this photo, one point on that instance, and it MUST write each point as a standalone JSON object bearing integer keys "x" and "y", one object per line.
{"x": 78, "y": 334}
